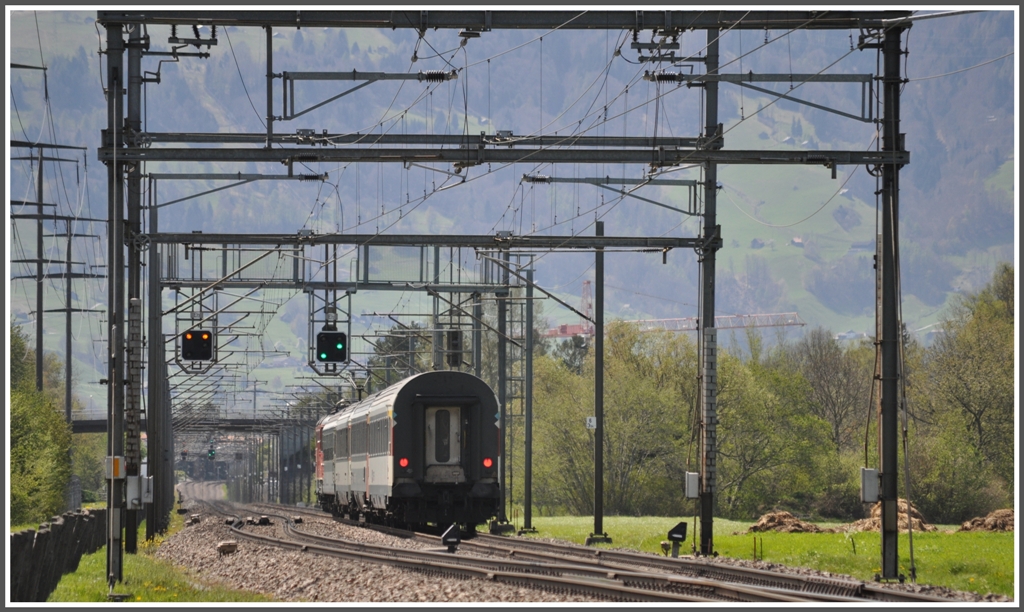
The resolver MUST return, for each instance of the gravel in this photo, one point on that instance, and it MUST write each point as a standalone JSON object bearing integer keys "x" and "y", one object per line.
{"x": 306, "y": 577}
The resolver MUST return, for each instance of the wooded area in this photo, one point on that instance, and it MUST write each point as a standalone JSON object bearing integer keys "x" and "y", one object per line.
{"x": 796, "y": 423}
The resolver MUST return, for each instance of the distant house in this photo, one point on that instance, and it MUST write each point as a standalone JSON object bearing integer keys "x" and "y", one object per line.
{"x": 757, "y": 243}
{"x": 797, "y": 241}
{"x": 850, "y": 335}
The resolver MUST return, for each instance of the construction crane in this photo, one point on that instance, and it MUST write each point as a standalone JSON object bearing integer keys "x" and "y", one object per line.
{"x": 586, "y": 328}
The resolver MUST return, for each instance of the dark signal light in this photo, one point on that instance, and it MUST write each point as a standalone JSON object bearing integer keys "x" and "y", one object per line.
{"x": 197, "y": 345}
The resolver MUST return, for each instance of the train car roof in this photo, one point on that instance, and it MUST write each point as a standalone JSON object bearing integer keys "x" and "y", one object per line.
{"x": 425, "y": 383}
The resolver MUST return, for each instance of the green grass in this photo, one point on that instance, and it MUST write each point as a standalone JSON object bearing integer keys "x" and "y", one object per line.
{"x": 980, "y": 562}
{"x": 17, "y": 528}
{"x": 146, "y": 579}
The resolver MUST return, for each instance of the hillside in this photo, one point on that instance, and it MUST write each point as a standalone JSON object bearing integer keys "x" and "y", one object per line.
{"x": 795, "y": 238}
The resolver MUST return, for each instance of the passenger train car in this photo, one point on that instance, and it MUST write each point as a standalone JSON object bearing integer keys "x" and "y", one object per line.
{"x": 423, "y": 451}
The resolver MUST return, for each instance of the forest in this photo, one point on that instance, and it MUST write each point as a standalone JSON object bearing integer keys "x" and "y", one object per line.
{"x": 797, "y": 421}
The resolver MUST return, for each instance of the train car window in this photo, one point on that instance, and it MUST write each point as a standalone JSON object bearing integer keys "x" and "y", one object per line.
{"x": 442, "y": 443}
{"x": 376, "y": 438}
{"x": 328, "y": 447}
{"x": 359, "y": 438}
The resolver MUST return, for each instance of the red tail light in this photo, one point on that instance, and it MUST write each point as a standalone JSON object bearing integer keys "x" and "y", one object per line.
{"x": 403, "y": 462}
{"x": 488, "y": 462}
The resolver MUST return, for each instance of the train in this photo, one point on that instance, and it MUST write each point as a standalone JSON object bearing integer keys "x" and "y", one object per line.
{"x": 424, "y": 452}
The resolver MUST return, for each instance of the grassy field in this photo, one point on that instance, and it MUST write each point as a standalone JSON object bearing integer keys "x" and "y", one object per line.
{"x": 147, "y": 579}
{"x": 971, "y": 561}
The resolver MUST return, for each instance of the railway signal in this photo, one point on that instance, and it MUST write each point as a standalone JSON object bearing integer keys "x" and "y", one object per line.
{"x": 197, "y": 345}
{"x": 211, "y": 454}
{"x": 676, "y": 535}
{"x": 454, "y": 356}
{"x": 331, "y": 347}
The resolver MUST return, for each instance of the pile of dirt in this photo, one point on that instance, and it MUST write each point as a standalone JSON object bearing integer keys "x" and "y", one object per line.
{"x": 874, "y": 522}
{"x": 999, "y": 520}
{"x": 783, "y": 522}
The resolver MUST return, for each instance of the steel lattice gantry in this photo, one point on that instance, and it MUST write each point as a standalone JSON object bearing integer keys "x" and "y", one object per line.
{"x": 125, "y": 147}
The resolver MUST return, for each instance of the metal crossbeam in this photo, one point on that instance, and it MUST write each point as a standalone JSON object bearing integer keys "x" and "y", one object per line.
{"x": 439, "y": 140}
{"x": 662, "y": 156}
{"x": 483, "y": 21}
{"x": 482, "y": 242}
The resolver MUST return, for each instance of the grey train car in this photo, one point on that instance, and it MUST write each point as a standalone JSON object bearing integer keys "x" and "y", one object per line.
{"x": 422, "y": 452}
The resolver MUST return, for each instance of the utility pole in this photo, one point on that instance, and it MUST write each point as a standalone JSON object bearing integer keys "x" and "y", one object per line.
{"x": 599, "y": 535}
{"x": 528, "y": 401}
{"x": 159, "y": 437}
{"x": 254, "y": 383}
{"x": 67, "y": 330}
{"x": 133, "y": 362}
{"x": 39, "y": 275}
{"x": 502, "y": 296}
{"x": 478, "y": 332}
{"x": 115, "y": 302}
{"x": 68, "y": 276}
{"x": 892, "y": 140}
{"x": 708, "y": 337}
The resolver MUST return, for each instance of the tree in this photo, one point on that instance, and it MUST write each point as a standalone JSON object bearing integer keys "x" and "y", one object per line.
{"x": 89, "y": 450}
{"x": 40, "y": 442}
{"x": 767, "y": 437}
{"x": 951, "y": 479}
{"x": 402, "y": 351}
{"x": 572, "y": 352}
{"x": 563, "y": 469}
{"x": 645, "y": 419}
{"x": 646, "y": 425}
{"x": 971, "y": 370}
{"x": 840, "y": 385}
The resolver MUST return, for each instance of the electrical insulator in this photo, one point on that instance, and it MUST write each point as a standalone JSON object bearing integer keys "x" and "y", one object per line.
{"x": 434, "y": 76}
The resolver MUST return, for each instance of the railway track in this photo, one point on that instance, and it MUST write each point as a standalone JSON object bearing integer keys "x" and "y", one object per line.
{"x": 689, "y": 577}
{"x": 824, "y": 588}
{"x": 553, "y": 574}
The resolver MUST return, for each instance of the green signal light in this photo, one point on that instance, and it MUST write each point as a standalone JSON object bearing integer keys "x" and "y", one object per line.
{"x": 323, "y": 355}
{"x": 339, "y": 345}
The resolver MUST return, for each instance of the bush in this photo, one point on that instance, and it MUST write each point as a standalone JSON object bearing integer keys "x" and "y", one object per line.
{"x": 40, "y": 462}
{"x": 839, "y": 493}
{"x": 951, "y": 481}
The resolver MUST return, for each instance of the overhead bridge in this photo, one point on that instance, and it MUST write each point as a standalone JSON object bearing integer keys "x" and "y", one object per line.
{"x": 185, "y": 425}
